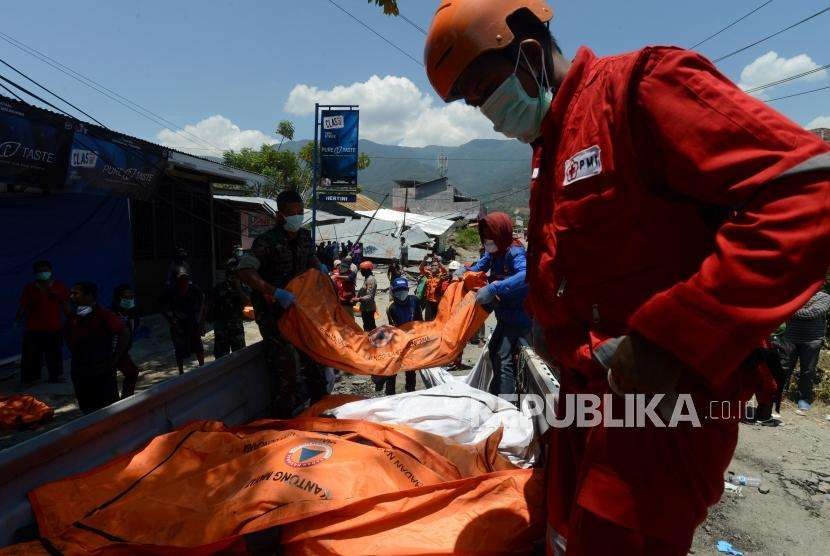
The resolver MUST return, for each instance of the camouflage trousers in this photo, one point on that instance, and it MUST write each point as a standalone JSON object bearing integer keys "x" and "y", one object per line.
{"x": 227, "y": 337}
{"x": 299, "y": 378}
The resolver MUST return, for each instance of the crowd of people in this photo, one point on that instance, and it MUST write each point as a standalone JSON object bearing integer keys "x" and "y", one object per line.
{"x": 330, "y": 251}
{"x": 99, "y": 338}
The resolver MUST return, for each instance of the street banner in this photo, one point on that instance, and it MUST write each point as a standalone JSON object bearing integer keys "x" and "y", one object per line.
{"x": 117, "y": 165}
{"x": 33, "y": 147}
{"x": 338, "y": 146}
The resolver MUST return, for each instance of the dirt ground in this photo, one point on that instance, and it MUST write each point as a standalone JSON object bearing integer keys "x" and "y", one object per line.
{"x": 792, "y": 460}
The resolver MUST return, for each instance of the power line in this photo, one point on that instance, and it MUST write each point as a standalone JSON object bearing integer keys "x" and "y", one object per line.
{"x": 785, "y": 29}
{"x": 57, "y": 96}
{"x": 31, "y": 94}
{"x": 387, "y": 41}
{"x": 421, "y": 29}
{"x": 712, "y": 36}
{"x": 799, "y": 94}
{"x": 103, "y": 90}
{"x": 12, "y": 93}
{"x": 786, "y": 79}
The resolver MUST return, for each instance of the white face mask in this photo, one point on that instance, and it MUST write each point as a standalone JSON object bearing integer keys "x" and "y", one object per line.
{"x": 490, "y": 246}
{"x": 293, "y": 223}
{"x": 515, "y": 113}
{"x": 401, "y": 295}
{"x": 83, "y": 310}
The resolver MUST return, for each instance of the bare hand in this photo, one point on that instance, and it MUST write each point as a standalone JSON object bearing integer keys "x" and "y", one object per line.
{"x": 641, "y": 367}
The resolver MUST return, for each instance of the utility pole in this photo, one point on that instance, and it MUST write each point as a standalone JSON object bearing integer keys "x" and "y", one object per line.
{"x": 314, "y": 173}
{"x": 366, "y": 227}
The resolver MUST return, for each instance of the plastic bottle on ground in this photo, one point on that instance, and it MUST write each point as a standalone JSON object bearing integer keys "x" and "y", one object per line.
{"x": 743, "y": 480}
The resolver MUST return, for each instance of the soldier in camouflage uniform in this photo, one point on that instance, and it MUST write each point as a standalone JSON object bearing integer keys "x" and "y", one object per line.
{"x": 226, "y": 303}
{"x": 277, "y": 256}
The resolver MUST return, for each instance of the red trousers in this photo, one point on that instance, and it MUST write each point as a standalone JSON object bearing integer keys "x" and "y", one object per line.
{"x": 637, "y": 490}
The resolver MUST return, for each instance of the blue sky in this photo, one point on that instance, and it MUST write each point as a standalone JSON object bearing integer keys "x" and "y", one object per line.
{"x": 233, "y": 69}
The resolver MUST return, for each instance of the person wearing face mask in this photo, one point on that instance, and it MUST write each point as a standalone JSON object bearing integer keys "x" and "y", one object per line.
{"x": 178, "y": 263}
{"x": 404, "y": 308}
{"x": 675, "y": 221}
{"x": 227, "y": 301}
{"x": 505, "y": 261}
{"x": 366, "y": 295}
{"x": 275, "y": 258}
{"x": 123, "y": 305}
{"x": 43, "y": 304}
{"x": 183, "y": 306}
{"x": 97, "y": 340}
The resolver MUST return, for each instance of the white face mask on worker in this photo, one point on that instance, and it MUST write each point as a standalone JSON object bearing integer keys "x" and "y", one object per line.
{"x": 515, "y": 113}
{"x": 293, "y": 223}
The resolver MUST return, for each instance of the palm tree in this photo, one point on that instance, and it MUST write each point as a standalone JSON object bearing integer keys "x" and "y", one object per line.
{"x": 285, "y": 129}
{"x": 390, "y": 7}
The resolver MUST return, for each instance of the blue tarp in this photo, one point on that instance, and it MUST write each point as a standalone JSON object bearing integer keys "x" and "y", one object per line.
{"x": 85, "y": 237}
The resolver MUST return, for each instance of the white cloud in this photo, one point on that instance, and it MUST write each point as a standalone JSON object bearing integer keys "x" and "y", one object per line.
{"x": 393, "y": 110}
{"x": 821, "y": 121}
{"x": 772, "y": 67}
{"x": 219, "y": 134}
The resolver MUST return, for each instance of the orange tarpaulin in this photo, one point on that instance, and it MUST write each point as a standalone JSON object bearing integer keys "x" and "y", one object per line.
{"x": 312, "y": 485}
{"x": 321, "y": 327}
{"x": 22, "y": 410}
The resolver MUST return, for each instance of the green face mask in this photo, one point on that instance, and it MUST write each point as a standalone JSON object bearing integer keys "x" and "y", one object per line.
{"x": 127, "y": 303}
{"x": 44, "y": 276}
{"x": 515, "y": 113}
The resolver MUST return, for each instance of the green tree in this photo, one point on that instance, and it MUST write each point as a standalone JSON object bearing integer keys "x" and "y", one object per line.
{"x": 282, "y": 168}
{"x": 390, "y": 7}
{"x": 285, "y": 130}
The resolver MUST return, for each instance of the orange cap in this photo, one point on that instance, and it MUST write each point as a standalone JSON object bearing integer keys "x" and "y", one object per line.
{"x": 462, "y": 30}
{"x": 367, "y": 265}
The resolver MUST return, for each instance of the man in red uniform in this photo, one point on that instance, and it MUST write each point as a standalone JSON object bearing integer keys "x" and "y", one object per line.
{"x": 43, "y": 304}
{"x": 675, "y": 222}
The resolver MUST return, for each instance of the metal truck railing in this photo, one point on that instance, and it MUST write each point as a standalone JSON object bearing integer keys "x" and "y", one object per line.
{"x": 235, "y": 389}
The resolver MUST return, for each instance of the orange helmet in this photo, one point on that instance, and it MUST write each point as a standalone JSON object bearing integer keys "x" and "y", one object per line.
{"x": 367, "y": 265}
{"x": 462, "y": 30}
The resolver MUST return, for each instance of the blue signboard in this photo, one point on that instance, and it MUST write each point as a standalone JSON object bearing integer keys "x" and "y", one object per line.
{"x": 33, "y": 147}
{"x": 98, "y": 165}
{"x": 338, "y": 146}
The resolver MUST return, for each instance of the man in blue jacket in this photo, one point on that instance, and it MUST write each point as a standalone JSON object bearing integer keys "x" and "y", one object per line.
{"x": 504, "y": 258}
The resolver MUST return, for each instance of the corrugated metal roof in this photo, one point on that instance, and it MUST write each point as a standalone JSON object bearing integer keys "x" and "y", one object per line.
{"x": 131, "y": 137}
{"x": 431, "y": 225}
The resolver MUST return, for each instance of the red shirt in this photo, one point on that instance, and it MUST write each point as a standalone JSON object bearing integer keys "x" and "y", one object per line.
{"x": 43, "y": 307}
{"x": 101, "y": 323}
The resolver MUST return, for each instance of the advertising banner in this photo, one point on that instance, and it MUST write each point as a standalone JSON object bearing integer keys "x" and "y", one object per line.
{"x": 338, "y": 146}
{"x": 117, "y": 165}
{"x": 33, "y": 148}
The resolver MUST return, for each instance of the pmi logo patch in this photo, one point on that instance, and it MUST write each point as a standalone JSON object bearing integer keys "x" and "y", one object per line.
{"x": 583, "y": 164}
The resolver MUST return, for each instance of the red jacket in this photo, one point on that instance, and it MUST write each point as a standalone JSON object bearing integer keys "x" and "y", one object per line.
{"x": 702, "y": 223}
{"x": 666, "y": 201}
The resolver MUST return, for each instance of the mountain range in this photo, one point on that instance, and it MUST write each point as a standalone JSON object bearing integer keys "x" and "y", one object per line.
{"x": 496, "y": 172}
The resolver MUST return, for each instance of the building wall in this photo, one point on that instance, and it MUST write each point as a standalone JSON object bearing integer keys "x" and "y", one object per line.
{"x": 435, "y": 196}
{"x": 179, "y": 215}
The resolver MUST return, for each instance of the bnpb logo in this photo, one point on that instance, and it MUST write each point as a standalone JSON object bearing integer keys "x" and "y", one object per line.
{"x": 308, "y": 454}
